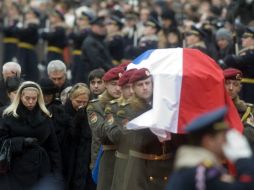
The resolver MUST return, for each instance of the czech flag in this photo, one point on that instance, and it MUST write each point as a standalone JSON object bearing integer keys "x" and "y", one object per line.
{"x": 187, "y": 83}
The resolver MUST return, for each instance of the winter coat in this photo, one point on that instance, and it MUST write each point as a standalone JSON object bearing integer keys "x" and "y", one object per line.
{"x": 29, "y": 162}
{"x": 76, "y": 150}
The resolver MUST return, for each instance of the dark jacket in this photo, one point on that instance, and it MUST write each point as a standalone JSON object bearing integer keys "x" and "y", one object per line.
{"x": 30, "y": 162}
{"x": 27, "y": 56}
{"x": 57, "y": 40}
{"x": 59, "y": 118}
{"x": 76, "y": 149}
{"x": 4, "y": 99}
{"x": 78, "y": 67}
{"x": 116, "y": 46}
{"x": 10, "y": 42}
{"x": 95, "y": 53}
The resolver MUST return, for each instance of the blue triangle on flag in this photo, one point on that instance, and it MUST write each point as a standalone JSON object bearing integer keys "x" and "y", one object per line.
{"x": 142, "y": 57}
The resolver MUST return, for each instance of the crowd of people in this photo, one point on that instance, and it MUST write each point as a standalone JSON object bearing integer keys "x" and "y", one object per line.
{"x": 66, "y": 95}
{"x": 86, "y": 35}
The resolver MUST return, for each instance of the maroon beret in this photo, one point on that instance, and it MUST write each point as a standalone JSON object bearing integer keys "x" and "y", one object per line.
{"x": 124, "y": 79}
{"x": 113, "y": 74}
{"x": 232, "y": 74}
{"x": 124, "y": 63}
{"x": 140, "y": 74}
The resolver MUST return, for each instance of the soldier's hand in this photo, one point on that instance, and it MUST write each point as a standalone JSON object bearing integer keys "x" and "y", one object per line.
{"x": 236, "y": 146}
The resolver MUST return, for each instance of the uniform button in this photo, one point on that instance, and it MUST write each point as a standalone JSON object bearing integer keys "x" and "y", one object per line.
{"x": 151, "y": 178}
{"x": 165, "y": 178}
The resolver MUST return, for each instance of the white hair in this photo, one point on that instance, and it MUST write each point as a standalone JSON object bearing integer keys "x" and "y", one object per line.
{"x": 13, "y": 67}
{"x": 56, "y": 65}
{"x": 12, "y": 108}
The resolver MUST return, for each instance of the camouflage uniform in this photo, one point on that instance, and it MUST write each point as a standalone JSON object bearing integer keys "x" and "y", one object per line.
{"x": 119, "y": 136}
{"x": 107, "y": 162}
{"x": 150, "y": 161}
{"x": 245, "y": 111}
{"x": 95, "y": 112}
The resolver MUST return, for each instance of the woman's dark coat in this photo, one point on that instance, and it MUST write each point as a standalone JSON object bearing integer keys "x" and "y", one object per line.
{"x": 30, "y": 162}
{"x": 76, "y": 150}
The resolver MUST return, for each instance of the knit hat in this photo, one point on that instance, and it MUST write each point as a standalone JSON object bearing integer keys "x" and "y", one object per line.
{"x": 223, "y": 33}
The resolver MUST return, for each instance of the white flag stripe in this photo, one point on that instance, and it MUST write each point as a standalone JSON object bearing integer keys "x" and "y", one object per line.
{"x": 166, "y": 66}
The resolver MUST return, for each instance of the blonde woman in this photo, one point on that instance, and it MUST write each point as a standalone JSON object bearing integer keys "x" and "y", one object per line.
{"x": 35, "y": 151}
{"x": 77, "y": 142}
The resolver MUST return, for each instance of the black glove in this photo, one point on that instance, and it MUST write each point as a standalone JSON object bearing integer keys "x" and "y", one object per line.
{"x": 29, "y": 141}
{"x": 80, "y": 115}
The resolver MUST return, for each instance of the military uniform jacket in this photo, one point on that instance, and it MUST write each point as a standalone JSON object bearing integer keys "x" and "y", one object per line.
{"x": 95, "y": 53}
{"x": 145, "y": 43}
{"x": 107, "y": 160}
{"x": 119, "y": 135}
{"x": 118, "y": 114}
{"x": 78, "y": 38}
{"x": 56, "y": 37}
{"x": 116, "y": 46}
{"x": 197, "y": 169}
{"x": 243, "y": 62}
{"x": 147, "y": 168}
{"x": 245, "y": 111}
{"x": 96, "y": 118}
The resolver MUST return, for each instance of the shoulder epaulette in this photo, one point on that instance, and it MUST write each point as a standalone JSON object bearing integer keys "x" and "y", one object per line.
{"x": 108, "y": 109}
{"x": 124, "y": 104}
{"x": 113, "y": 101}
{"x": 207, "y": 163}
{"x": 120, "y": 113}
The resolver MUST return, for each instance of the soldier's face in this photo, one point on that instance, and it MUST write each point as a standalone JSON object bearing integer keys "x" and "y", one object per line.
{"x": 247, "y": 41}
{"x": 113, "y": 89}
{"x": 127, "y": 91}
{"x": 58, "y": 78}
{"x": 144, "y": 89}
{"x": 97, "y": 86}
{"x": 191, "y": 39}
{"x": 233, "y": 87}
